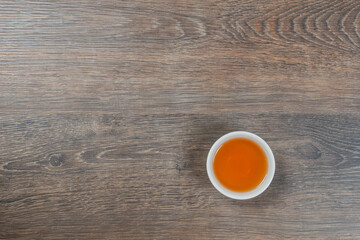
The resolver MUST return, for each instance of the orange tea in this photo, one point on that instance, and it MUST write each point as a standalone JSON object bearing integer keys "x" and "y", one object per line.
{"x": 240, "y": 164}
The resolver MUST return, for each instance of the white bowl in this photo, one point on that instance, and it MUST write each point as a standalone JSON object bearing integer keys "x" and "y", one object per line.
{"x": 267, "y": 179}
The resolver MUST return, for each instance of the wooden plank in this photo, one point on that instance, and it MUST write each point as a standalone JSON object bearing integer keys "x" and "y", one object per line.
{"x": 118, "y": 176}
{"x": 183, "y": 57}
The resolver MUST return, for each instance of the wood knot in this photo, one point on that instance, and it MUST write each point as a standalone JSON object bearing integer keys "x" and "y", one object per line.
{"x": 181, "y": 167}
{"x": 309, "y": 151}
{"x": 57, "y": 159}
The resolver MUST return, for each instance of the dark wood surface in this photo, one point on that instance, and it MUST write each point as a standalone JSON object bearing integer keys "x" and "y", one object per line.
{"x": 108, "y": 110}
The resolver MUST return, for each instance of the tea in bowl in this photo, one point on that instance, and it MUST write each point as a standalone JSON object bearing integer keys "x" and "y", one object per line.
{"x": 240, "y": 165}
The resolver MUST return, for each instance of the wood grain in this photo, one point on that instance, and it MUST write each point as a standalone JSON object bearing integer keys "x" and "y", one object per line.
{"x": 108, "y": 110}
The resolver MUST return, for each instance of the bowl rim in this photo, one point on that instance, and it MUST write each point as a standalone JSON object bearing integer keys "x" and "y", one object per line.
{"x": 269, "y": 157}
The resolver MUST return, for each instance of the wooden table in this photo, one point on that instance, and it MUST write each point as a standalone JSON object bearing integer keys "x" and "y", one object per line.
{"x": 108, "y": 110}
